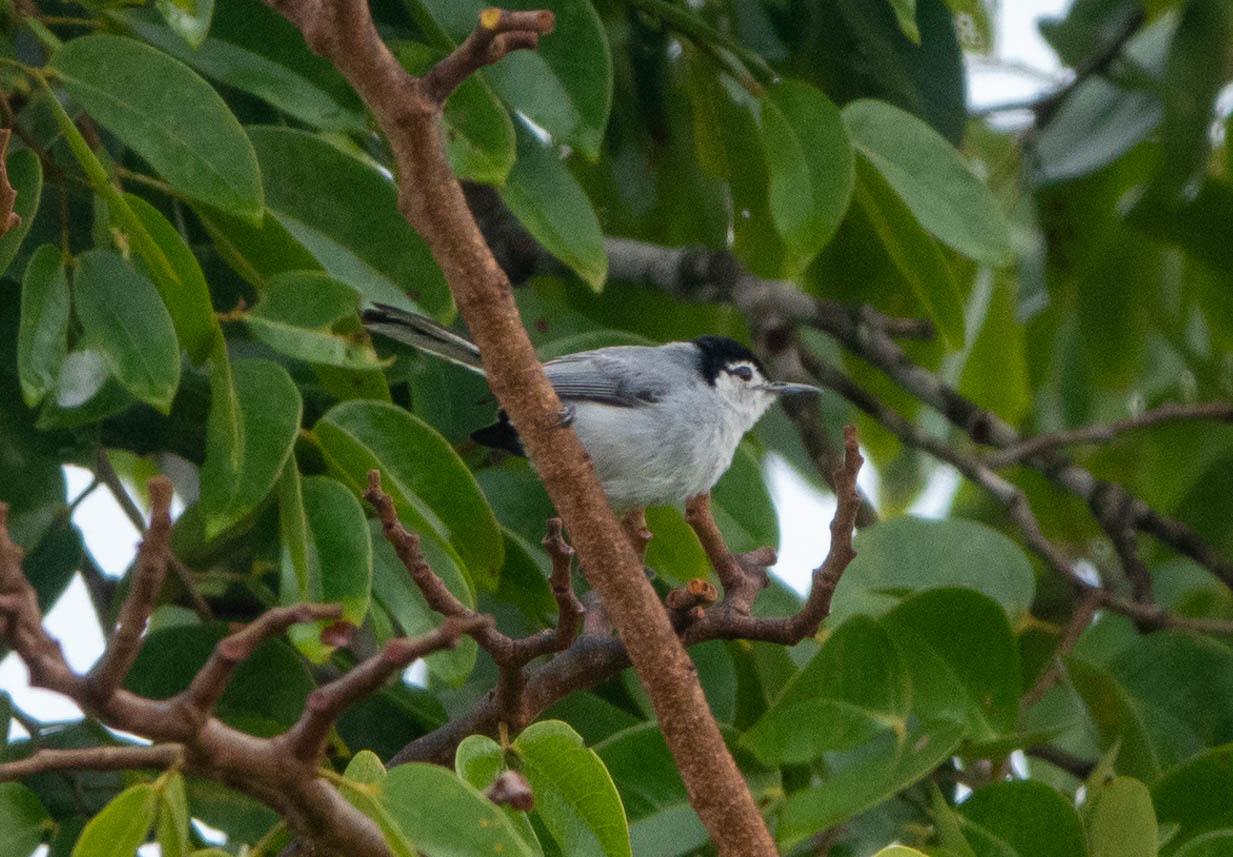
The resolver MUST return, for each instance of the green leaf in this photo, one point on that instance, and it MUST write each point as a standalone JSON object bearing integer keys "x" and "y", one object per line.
{"x": 362, "y": 788}
{"x": 254, "y": 420}
{"x": 905, "y": 14}
{"x": 168, "y": 115}
{"x": 863, "y": 779}
{"x": 1026, "y": 817}
{"x": 1218, "y": 843}
{"x": 1118, "y": 718}
{"x": 326, "y": 555}
{"x": 479, "y": 761}
{"x": 742, "y": 503}
{"x": 421, "y": 470}
{"x": 180, "y": 282}
{"x": 447, "y": 817}
{"x": 674, "y": 552}
{"x": 854, "y": 688}
{"x": 1122, "y": 823}
{"x": 915, "y": 254}
{"x": 1193, "y": 796}
{"x": 42, "y": 342}
{"x": 478, "y": 130}
{"x": 172, "y": 826}
{"x": 906, "y": 554}
{"x": 26, "y": 176}
{"x": 365, "y": 767}
{"x": 402, "y": 599}
{"x": 899, "y": 851}
{"x": 272, "y": 74}
{"x": 923, "y": 627}
{"x": 188, "y": 19}
{"x": 574, "y": 793}
{"x": 345, "y": 213}
{"x": 120, "y": 826}
{"x": 549, "y": 202}
{"x": 22, "y": 818}
{"x": 565, "y": 85}
{"x": 124, "y": 320}
{"x": 995, "y": 374}
{"x": 311, "y": 316}
{"x": 931, "y": 179}
{"x": 810, "y": 165}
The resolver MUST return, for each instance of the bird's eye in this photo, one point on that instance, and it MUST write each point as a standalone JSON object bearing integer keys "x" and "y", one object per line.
{"x": 745, "y": 373}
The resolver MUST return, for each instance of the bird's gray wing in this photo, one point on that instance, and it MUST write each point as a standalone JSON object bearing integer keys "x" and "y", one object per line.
{"x": 422, "y": 333}
{"x": 612, "y": 376}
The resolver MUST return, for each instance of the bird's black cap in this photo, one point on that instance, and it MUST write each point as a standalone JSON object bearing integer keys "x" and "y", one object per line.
{"x": 716, "y": 352}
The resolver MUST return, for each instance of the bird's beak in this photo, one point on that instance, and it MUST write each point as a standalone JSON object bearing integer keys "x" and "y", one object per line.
{"x": 783, "y": 388}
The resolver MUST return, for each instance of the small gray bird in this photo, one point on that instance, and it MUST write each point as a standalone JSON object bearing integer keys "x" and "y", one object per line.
{"x": 661, "y": 424}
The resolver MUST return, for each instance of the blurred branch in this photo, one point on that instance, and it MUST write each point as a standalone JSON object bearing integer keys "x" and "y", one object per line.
{"x": 1170, "y": 412}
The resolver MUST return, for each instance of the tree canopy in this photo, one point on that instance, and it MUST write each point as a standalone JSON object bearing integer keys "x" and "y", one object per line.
{"x": 200, "y": 197}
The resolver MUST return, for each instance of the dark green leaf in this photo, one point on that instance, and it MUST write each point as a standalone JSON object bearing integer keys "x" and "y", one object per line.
{"x": 121, "y": 826}
{"x": 338, "y": 552}
{"x": 574, "y": 793}
{"x": 168, "y": 115}
{"x": 1118, "y": 717}
{"x": 445, "y": 816}
{"x": 432, "y": 487}
{"x": 311, "y": 316}
{"x": 810, "y": 165}
{"x": 907, "y": 553}
{"x": 548, "y": 201}
{"x": 180, "y": 282}
{"x": 22, "y": 818}
{"x": 345, "y": 213}
{"x": 1218, "y": 843}
{"x": 931, "y": 179}
{"x": 25, "y": 174}
{"x": 254, "y": 419}
{"x": 259, "y": 74}
{"x": 1026, "y": 817}
{"x": 916, "y": 255}
{"x": 565, "y": 85}
{"x": 1194, "y": 796}
{"x": 42, "y": 341}
{"x": 124, "y": 320}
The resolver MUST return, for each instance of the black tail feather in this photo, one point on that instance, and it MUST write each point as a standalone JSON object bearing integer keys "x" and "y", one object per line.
{"x": 500, "y": 435}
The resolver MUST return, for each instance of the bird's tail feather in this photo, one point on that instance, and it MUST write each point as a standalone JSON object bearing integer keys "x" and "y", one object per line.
{"x": 422, "y": 333}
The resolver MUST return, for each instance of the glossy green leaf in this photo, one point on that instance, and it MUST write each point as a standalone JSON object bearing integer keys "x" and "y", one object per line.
{"x": 273, "y": 77}
{"x": 22, "y": 818}
{"x": 854, "y": 688}
{"x": 365, "y": 767}
{"x": 254, "y": 419}
{"x": 1194, "y": 796}
{"x": 565, "y": 85}
{"x": 311, "y": 316}
{"x": 915, "y": 254}
{"x": 479, "y": 760}
{"x": 478, "y": 130}
{"x": 180, "y": 282}
{"x": 171, "y": 828}
{"x": 742, "y": 505}
{"x": 121, "y": 826}
{"x": 1122, "y": 823}
{"x": 345, "y": 213}
{"x": 364, "y": 778}
{"x": 125, "y": 321}
{"x": 426, "y": 476}
{"x": 574, "y": 793}
{"x": 931, "y": 179}
{"x": 860, "y": 780}
{"x": 42, "y": 342}
{"x": 913, "y": 553}
{"x": 549, "y": 202}
{"x": 1026, "y": 817}
{"x": 995, "y": 375}
{"x": 810, "y": 165}
{"x": 924, "y": 628}
{"x": 1118, "y": 717}
{"x": 168, "y": 115}
{"x": 188, "y": 19}
{"x": 447, "y": 817}
{"x": 674, "y": 552}
{"x": 337, "y": 550}
{"x": 25, "y": 174}
{"x": 402, "y": 599}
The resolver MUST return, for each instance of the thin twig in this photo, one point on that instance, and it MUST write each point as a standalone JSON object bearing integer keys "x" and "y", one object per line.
{"x": 498, "y": 32}
{"x": 158, "y": 756}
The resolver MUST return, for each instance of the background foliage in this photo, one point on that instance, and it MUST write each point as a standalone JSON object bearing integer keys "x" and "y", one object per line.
{"x": 205, "y": 210}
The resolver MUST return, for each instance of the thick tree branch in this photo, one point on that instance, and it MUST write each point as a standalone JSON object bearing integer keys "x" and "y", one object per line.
{"x": 159, "y": 756}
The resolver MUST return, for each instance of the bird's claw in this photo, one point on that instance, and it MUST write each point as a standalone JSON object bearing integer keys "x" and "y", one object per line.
{"x": 565, "y": 417}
